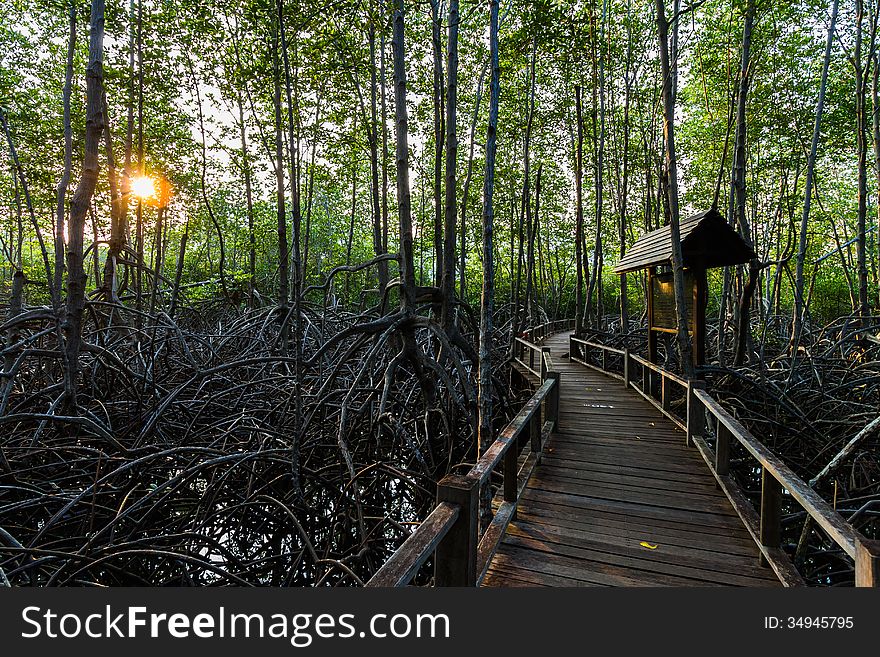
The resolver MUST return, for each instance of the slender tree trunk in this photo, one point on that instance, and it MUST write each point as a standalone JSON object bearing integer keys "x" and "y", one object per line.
{"x": 875, "y": 125}
{"x": 739, "y": 187}
{"x": 438, "y": 140}
{"x": 404, "y": 203}
{"x": 668, "y": 97}
{"x": 159, "y": 257}
{"x": 118, "y": 213}
{"x": 280, "y": 203}
{"x": 451, "y": 209}
{"x": 203, "y": 183}
{"x": 373, "y": 132}
{"x": 485, "y": 434}
{"x": 799, "y": 306}
{"x": 54, "y": 293}
{"x": 525, "y": 215}
{"x": 351, "y": 218}
{"x": 624, "y": 195}
{"x": 535, "y": 240}
{"x": 579, "y": 214}
{"x": 291, "y": 94}
{"x": 81, "y": 201}
{"x": 139, "y": 218}
{"x": 249, "y": 199}
{"x": 861, "y": 74}
{"x": 385, "y": 155}
{"x": 467, "y": 185}
{"x": 598, "y": 89}
{"x": 178, "y": 274}
{"x": 296, "y": 222}
{"x": 61, "y": 191}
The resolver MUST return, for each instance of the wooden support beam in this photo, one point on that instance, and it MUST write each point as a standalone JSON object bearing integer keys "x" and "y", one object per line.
{"x": 696, "y": 413}
{"x": 626, "y": 369}
{"x": 551, "y": 405}
{"x": 771, "y": 511}
{"x": 722, "y": 450}
{"x": 700, "y": 302}
{"x": 868, "y": 563}
{"x": 456, "y": 556}
{"x": 510, "y": 472}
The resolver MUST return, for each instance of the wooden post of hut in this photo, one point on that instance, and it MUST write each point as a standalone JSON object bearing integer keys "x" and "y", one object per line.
{"x": 707, "y": 241}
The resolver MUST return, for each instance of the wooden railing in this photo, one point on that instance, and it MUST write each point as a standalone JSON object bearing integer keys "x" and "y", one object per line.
{"x": 450, "y": 532}
{"x": 691, "y": 407}
{"x": 537, "y": 334}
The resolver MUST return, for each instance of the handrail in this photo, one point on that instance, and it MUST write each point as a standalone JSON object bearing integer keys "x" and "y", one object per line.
{"x": 841, "y": 532}
{"x": 765, "y": 524}
{"x": 540, "y": 332}
{"x": 400, "y": 569}
{"x": 450, "y": 532}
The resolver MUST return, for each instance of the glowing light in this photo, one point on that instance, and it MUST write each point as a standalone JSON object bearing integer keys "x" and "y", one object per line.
{"x": 143, "y": 187}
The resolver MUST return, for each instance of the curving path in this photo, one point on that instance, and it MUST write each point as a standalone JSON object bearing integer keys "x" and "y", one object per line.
{"x": 618, "y": 500}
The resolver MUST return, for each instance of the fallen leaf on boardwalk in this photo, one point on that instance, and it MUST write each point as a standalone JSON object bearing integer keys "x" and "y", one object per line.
{"x": 650, "y": 546}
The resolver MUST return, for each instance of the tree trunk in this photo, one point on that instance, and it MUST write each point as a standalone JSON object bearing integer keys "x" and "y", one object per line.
{"x": 451, "y": 209}
{"x": 861, "y": 74}
{"x": 80, "y": 203}
{"x": 668, "y": 97}
{"x": 738, "y": 185}
{"x": 598, "y": 90}
{"x": 139, "y": 216}
{"x": 296, "y": 265}
{"x": 875, "y": 125}
{"x": 280, "y": 205}
{"x": 249, "y": 198}
{"x": 467, "y": 185}
{"x": 437, "y": 47}
{"x": 178, "y": 275}
{"x": 624, "y": 193}
{"x": 525, "y": 215}
{"x": 799, "y": 307}
{"x": 61, "y": 191}
{"x": 579, "y": 214}
{"x": 404, "y": 203}
{"x": 373, "y": 132}
{"x": 485, "y": 433}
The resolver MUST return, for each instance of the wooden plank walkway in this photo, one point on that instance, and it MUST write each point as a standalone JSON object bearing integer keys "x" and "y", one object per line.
{"x": 619, "y": 500}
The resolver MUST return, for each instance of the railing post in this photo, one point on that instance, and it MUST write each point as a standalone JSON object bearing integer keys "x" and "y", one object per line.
{"x": 696, "y": 413}
{"x": 626, "y": 372}
{"x": 664, "y": 393}
{"x": 646, "y": 379}
{"x": 456, "y": 556}
{"x": 535, "y": 430}
{"x": 511, "y": 472}
{"x": 531, "y": 359}
{"x": 551, "y": 409}
{"x": 868, "y": 563}
{"x": 604, "y": 360}
{"x": 544, "y": 350}
{"x": 771, "y": 512}
{"x": 722, "y": 449}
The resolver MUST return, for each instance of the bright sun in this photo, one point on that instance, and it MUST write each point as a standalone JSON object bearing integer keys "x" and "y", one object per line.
{"x": 143, "y": 187}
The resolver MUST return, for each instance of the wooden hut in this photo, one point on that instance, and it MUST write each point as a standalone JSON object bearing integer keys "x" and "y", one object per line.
{"x": 707, "y": 241}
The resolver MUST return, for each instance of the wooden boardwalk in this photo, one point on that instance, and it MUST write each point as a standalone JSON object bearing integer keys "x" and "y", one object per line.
{"x": 618, "y": 500}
